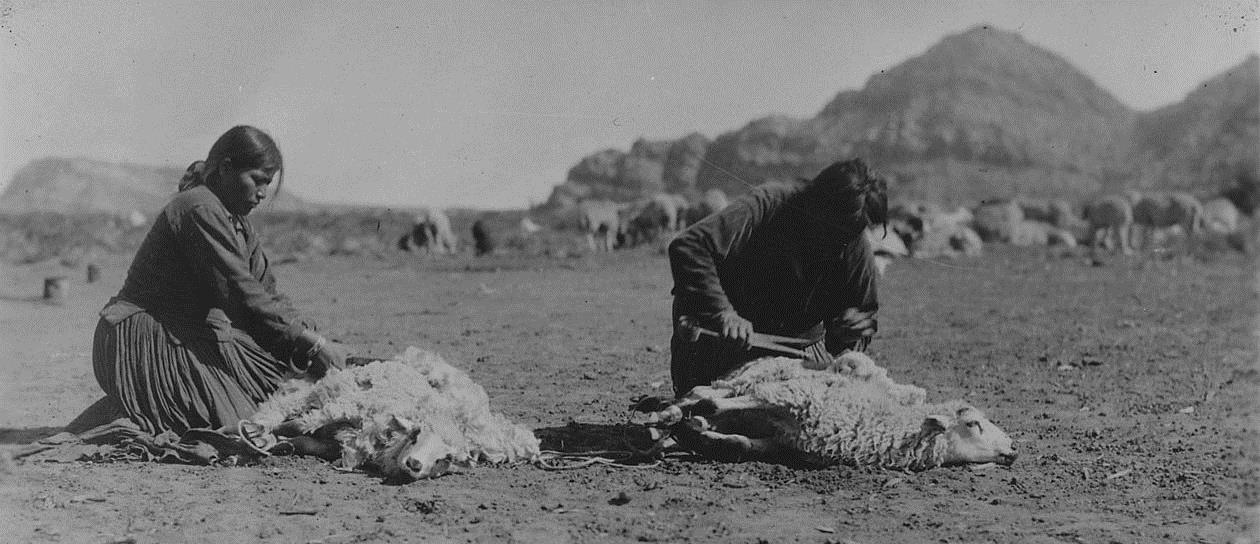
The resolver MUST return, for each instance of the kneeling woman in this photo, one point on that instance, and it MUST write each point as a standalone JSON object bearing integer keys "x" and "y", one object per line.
{"x": 198, "y": 335}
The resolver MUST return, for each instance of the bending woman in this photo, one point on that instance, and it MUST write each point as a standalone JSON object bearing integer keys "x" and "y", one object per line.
{"x": 789, "y": 260}
{"x": 198, "y": 335}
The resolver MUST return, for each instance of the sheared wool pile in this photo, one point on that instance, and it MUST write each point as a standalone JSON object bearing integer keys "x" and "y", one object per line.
{"x": 418, "y": 386}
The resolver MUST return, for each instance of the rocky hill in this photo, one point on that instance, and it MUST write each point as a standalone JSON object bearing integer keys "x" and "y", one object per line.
{"x": 649, "y": 167}
{"x": 982, "y": 114}
{"x": 66, "y": 185}
{"x": 1210, "y": 139}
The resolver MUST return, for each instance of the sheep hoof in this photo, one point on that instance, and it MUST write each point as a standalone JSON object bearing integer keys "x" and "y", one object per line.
{"x": 696, "y": 424}
{"x": 668, "y": 416}
{"x": 256, "y": 436}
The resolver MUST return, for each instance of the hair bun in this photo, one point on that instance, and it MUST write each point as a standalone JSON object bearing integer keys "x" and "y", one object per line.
{"x": 193, "y": 176}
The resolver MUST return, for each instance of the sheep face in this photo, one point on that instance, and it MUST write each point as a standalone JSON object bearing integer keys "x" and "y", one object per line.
{"x": 418, "y": 451}
{"x": 971, "y": 438}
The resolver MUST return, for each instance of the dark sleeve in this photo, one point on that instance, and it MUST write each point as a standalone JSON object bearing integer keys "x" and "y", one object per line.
{"x": 283, "y": 304}
{"x": 696, "y": 253}
{"x": 858, "y": 303}
{"x": 220, "y": 257}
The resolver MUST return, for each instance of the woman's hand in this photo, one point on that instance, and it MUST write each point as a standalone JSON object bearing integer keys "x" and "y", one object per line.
{"x": 858, "y": 324}
{"x": 852, "y": 330}
{"x": 331, "y": 355}
{"x": 315, "y": 354}
{"x": 734, "y": 328}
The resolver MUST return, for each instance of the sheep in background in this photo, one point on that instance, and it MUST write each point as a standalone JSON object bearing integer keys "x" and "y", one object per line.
{"x": 601, "y": 222}
{"x": 1221, "y": 216}
{"x": 959, "y": 240}
{"x": 843, "y": 412}
{"x": 1158, "y": 211}
{"x": 484, "y": 240}
{"x": 409, "y": 418}
{"x": 886, "y": 245}
{"x": 431, "y": 231}
{"x": 711, "y": 202}
{"x": 1110, "y": 219}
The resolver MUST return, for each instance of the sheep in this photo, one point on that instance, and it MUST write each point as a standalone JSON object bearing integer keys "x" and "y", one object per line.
{"x": 600, "y": 218}
{"x": 712, "y": 201}
{"x": 847, "y": 411}
{"x": 1110, "y": 219}
{"x": 947, "y": 242}
{"x": 1152, "y": 211}
{"x": 484, "y": 239}
{"x": 886, "y": 246}
{"x": 431, "y": 231}
{"x": 408, "y": 418}
{"x": 1220, "y": 216}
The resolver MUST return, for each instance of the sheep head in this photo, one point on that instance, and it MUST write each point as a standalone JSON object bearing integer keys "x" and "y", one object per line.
{"x": 969, "y": 437}
{"x": 416, "y": 451}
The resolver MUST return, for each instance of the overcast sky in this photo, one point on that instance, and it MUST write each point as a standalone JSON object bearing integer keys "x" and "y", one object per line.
{"x": 487, "y": 103}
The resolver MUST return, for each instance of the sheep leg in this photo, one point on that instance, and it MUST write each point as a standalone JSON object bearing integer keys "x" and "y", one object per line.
{"x": 683, "y": 406}
{"x": 324, "y": 442}
{"x": 696, "y": 435}
{"x": 289, "y": 428}
{"x": 746, "y": 416}
{"x": 328, "y": 450}
{"x": 747, "y": 448}
{"x": 715, "y": 406}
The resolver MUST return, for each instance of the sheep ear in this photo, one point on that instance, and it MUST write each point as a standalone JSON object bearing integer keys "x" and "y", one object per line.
{"x": 935, "y": 424}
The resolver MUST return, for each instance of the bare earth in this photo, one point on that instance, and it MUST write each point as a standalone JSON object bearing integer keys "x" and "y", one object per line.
{"x": 1130, "y": 388}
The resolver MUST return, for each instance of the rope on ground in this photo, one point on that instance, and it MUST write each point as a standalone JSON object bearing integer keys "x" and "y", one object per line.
{"x": 558, "y": 460}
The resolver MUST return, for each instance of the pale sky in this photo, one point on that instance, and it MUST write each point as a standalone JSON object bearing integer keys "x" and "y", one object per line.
{"x": 487, "y": 104}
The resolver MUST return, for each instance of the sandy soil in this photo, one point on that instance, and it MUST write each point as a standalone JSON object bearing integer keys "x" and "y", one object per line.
{"x": 1130, "y": 388}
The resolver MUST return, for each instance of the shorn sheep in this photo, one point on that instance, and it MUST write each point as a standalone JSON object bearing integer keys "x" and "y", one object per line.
{"x": 847, "y": 411}
{"x": 407, "y": 418}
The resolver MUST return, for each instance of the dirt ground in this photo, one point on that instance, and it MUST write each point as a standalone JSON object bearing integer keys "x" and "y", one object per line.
{"x": 1130, "y": 389}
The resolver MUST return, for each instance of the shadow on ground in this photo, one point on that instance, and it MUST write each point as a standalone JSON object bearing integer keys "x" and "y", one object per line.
{"x": 589, "y": 437}
{"x": 28, "y": 435}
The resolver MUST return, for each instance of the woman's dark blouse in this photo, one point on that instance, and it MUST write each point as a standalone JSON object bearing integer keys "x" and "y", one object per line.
{"x": 202, "y": 266}
{"x": 761, "y": 257}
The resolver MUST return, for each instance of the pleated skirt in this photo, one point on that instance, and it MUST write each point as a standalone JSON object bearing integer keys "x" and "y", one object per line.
{"x": 180, "y": 378}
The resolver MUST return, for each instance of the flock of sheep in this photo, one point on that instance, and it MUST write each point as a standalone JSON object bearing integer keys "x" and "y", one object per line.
{"x": 1125, "y": 222}
{"x": 604, "y": 224}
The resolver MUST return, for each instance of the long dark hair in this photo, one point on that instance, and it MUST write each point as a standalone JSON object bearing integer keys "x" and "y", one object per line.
{"x": 246, "y": 147}
{"x": 855, "y": 194}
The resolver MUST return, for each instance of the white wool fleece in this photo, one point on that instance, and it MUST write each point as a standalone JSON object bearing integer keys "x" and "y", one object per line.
{"x": 849, "y": 411}
{"x": 419, "y": 386}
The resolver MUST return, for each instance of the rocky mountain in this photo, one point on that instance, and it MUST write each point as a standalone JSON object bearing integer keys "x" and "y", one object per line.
{"x": 1210, "y": 139}
{"x": 982, "y": 114}
{"x": 649, "y": 167}
{"x": 66, "y": 185}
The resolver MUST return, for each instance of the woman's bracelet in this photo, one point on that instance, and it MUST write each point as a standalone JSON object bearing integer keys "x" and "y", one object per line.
{"x": 318, "y": 345}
